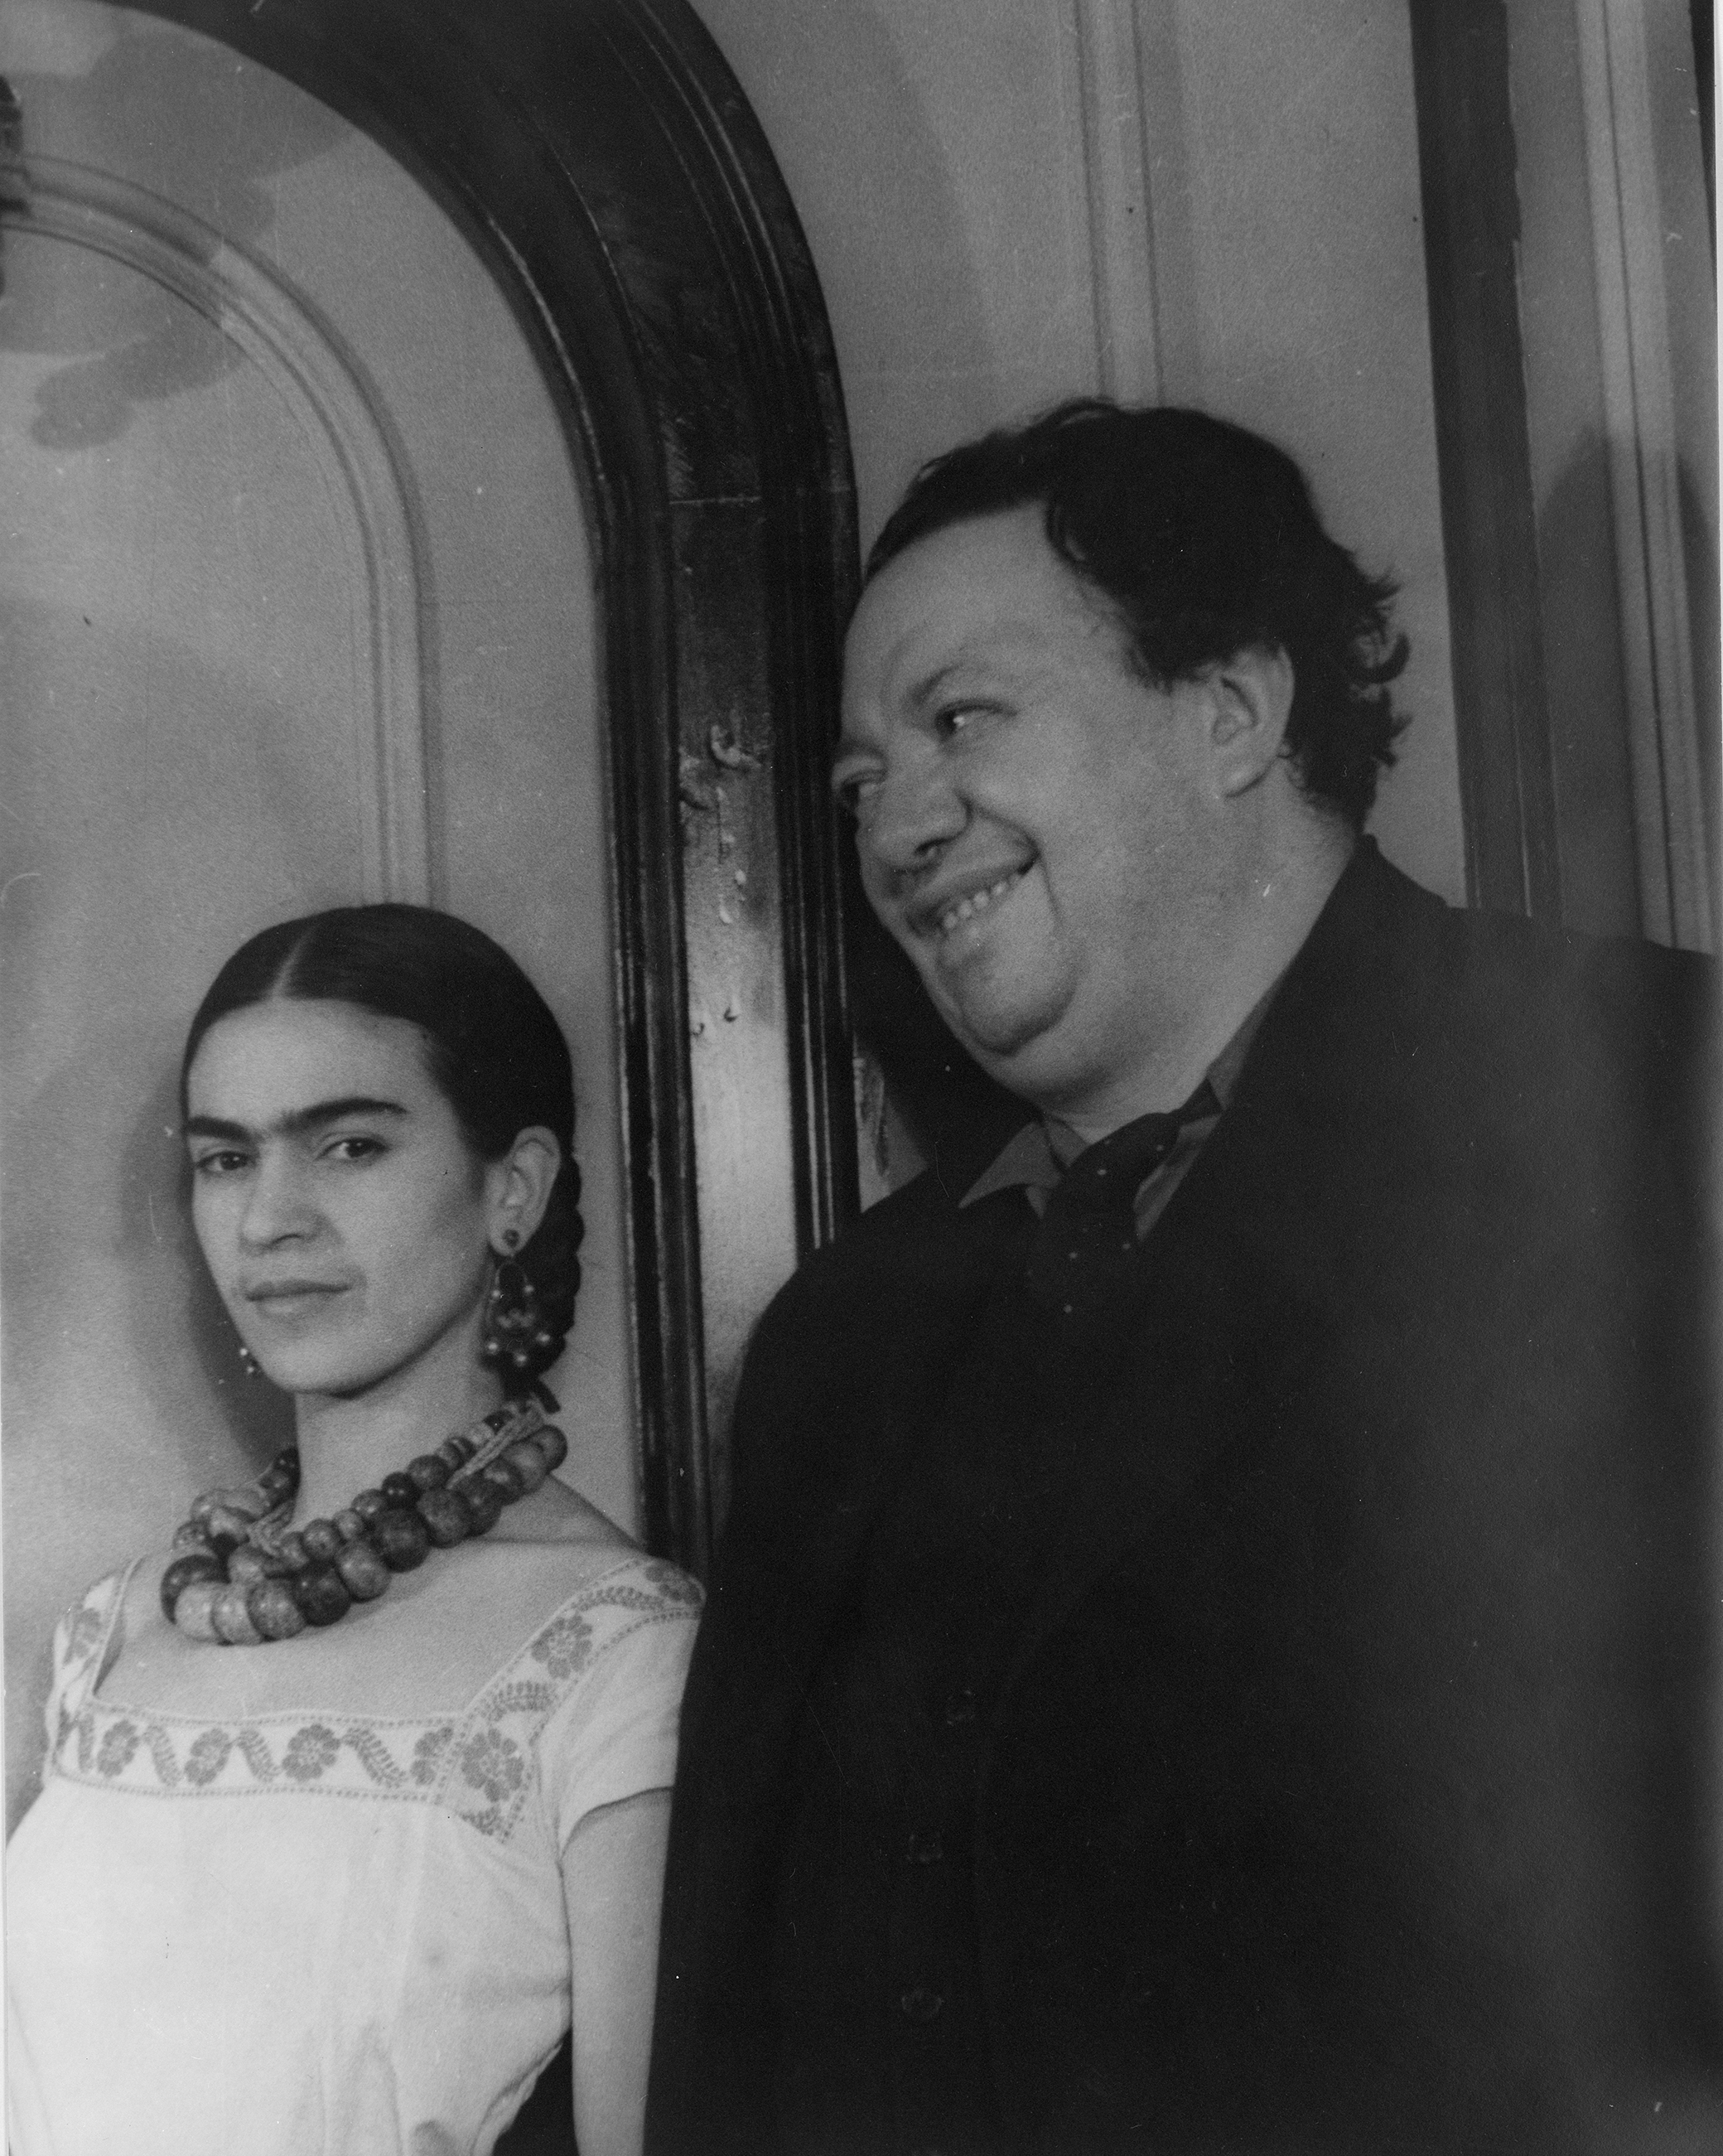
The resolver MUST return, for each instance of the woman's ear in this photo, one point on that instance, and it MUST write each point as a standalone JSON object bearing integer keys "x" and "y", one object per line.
{"x": 518, "y": 1187}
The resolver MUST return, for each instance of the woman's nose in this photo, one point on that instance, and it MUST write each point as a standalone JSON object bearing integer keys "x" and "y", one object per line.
{"x": 914, "y": 810}
{"x": 278, "y": 1204}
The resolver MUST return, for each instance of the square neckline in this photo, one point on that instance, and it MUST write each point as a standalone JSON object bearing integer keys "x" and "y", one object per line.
{"x": 110, "y": 1647}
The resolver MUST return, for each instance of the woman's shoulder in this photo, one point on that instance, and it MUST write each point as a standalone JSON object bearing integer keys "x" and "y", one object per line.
{"x": 89, "y": 1621}
{"x": 558, "y": 1515}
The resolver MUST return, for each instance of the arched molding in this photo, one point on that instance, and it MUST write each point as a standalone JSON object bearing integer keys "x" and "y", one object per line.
{"x": 602, "y": 159}
{"x": 281, "y": 334}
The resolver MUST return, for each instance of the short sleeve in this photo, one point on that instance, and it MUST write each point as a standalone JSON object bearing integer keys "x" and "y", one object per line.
{"x": 79, "y": 1639}
{"x": 615, "y": 1735}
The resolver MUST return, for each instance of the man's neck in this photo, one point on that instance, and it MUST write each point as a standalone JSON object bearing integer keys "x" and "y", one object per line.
{"x": 1264, "y": 933}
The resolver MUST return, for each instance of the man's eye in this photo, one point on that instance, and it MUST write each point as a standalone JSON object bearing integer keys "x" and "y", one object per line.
{"x": 854, "y": 793}
{"x": 954, "y": 719}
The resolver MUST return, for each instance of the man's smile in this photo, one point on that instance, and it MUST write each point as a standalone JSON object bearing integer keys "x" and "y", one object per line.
{"x": 940, "y": 915}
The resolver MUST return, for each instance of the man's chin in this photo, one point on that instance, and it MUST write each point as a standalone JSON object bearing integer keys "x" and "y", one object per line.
{"x": 1002, "y": 1038}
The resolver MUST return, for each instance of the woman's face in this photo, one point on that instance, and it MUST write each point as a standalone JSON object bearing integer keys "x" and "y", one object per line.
{"x": 344, "y": 1217}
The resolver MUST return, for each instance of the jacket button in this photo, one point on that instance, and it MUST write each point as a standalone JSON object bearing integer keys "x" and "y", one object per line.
{"x": 920, "y": 2004}
{"x": 959, "y": 1707}
{"x": 925, "y": 1848}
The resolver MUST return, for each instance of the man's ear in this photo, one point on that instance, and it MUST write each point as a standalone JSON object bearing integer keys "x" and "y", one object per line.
{"x": 1252, "y": 694}
{"x": 519, "y": 1186}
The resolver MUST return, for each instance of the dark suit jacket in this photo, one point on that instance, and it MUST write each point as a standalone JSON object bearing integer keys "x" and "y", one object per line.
{"x": 1347, "y": 1791}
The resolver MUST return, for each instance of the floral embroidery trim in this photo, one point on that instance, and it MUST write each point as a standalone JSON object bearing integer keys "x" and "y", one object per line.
{"x": 479, "y": 1764}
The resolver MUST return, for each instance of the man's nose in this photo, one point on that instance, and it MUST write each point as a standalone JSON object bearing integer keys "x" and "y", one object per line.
{"x": 279, "y": 1205}
{"x": 915, "y": 811}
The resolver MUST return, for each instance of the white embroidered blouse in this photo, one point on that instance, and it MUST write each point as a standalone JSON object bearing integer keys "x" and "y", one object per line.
{"x": 370, "y": 1954}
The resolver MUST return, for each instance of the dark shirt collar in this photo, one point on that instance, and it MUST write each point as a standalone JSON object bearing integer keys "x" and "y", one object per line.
{"x": 1034, "y": 1157}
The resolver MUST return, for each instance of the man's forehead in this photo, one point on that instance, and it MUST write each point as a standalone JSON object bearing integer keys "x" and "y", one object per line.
{"x": 989, "y": 590}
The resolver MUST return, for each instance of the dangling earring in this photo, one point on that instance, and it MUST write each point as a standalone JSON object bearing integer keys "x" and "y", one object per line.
{"x": 513, "y": 1327}
{"x": 249, "y": 1363}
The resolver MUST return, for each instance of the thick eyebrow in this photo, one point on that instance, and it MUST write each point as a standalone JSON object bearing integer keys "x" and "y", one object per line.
{"x": 296, "y": 1122}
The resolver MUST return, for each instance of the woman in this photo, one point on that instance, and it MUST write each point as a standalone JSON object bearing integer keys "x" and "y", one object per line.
{"x": 356, "y": 1798}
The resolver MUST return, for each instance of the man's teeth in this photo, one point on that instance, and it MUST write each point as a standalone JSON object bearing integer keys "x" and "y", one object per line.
{"x": 967, "y": 908}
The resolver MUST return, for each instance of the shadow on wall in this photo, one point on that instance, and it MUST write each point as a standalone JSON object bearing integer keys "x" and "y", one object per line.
{"x": 1588, "y": 697}
{"x": 849, "y": 94}
{"x": 1587, "y": 675}
{"x": 177, "y": 111}
{"x": 1699, "y": 541}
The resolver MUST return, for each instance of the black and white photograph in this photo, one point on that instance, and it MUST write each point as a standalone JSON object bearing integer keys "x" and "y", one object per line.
{"x": 860, "y": 1078}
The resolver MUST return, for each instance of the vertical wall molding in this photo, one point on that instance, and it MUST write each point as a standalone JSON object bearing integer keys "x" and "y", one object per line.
{"x": 1138, "y": 188}
{"x": 1644, "y": 472}
{"x": 1471, "y": 214}
{"x": 281, "y": 334}
{"x": 1115, "y": 157}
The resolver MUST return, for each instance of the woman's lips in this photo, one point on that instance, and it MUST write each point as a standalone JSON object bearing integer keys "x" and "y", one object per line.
{"x": 293, "y": 1298}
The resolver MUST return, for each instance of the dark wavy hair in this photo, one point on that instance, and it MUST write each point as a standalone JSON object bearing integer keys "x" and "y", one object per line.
{"x": 492, "y": 1047}
{"x": 1202, "y": 538}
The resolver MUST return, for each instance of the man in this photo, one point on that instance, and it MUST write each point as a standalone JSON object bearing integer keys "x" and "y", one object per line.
{"x": 1211, "y": 1646}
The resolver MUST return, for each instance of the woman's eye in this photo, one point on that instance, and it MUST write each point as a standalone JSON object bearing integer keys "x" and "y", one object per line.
{"x": 352, "y": 1149}
{"x": 212, "y": 1165}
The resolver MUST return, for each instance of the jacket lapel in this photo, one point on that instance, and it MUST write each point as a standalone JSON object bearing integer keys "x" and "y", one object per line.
{"x": 1243, "y": 1248}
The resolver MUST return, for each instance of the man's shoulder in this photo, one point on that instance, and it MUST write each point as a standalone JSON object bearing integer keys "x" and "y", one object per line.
{"x": 1468, "y": 977}
{"x": 912, "y": 1231}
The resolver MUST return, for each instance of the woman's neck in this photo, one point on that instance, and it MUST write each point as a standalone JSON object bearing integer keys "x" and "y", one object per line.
{"x": 347, "y": 1443}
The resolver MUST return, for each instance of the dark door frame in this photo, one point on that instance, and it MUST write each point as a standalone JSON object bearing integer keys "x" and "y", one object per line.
{"x": 604, "y": 162}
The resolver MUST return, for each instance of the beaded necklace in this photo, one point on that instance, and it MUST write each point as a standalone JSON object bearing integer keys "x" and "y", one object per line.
{"x": 243, "y": 1576}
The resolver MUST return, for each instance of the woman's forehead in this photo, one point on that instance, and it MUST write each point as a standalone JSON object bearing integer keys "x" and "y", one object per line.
{"x": 275, "y": 1059}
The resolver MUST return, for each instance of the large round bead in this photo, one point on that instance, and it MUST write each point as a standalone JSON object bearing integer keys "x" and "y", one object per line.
{"x": 321, "y": 1593}
{"x": 399, "y": 1489}
{"x": 447, "y": 1519}
{"x": 274, "y": 1609}
{"x": 232, "y": 1619}
{"x": 454, "y": 1451}
{"x": 427, "y": 1472}
{"x": 363, "y": 1570}
{"x": 347, "y": 1524}
{"x": 322, "y": 1538}
{"x": 484, "y": 1503}
{"x": 292, "y": 1551}
{"x": 191, "y": 1536}
{"x": 368, "y": 1504}
{"x": 551, "y": 1441}
{"x": 184, "y": 1572}
{"x": 401, "y": 1539}
{"x": 247, "y": 1566}
{"x": 505, "y": 1478}
{"x": 194, "y": 1611}
{"x": 528, "y": 1462}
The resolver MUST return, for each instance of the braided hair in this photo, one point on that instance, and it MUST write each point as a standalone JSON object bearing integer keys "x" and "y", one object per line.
{"x": 492, "y": 1047}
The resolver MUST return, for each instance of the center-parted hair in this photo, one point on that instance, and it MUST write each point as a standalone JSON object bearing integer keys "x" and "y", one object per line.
{"x": 492, "y": 1047}
{"x": 1203, "y": 539}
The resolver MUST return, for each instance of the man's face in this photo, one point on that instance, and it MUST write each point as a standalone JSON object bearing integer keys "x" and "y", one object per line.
{"x": 1037, "y": 827}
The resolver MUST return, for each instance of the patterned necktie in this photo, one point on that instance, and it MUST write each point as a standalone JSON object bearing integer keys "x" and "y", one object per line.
{"x": 1084, "y": 1249}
